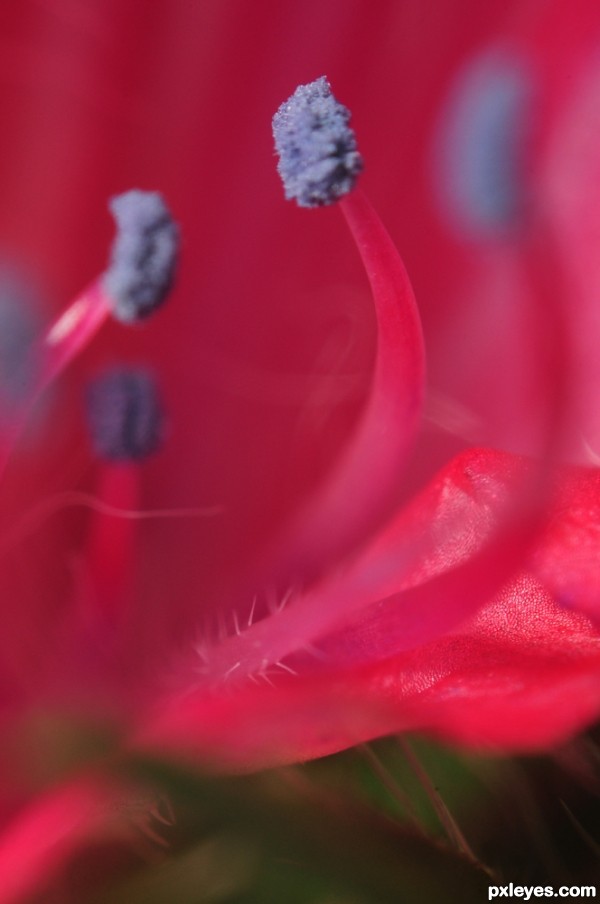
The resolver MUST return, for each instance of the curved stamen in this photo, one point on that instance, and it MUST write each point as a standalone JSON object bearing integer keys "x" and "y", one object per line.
{"x": 442, "y": 600}
{"x": 141, "y": 273}
{"x": 363, "y": 487}
{"x": 126, "y": 425}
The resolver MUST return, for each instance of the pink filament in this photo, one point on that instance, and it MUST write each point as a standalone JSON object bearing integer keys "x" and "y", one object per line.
{"x": 63, "y": 340}
{"x": 110, "y": 547}
{"x": 363, "y": 488}
{"x": 367, "y": 475}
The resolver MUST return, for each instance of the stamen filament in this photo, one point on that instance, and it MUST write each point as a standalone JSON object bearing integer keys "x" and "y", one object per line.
{"x": 364, "y": 485}
{"x": 362, "y": 491}
{"x": 137, "y": 281}
{"x": 319, "y": 163}
{"x": 64, "y": 339}
{"x": 111, "y": 543}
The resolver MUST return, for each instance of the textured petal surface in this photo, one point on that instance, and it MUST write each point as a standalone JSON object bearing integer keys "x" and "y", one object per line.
{"x": 522, "y": 675}
{"x": 444, "y": 556}
{"x": 567, "y": 557}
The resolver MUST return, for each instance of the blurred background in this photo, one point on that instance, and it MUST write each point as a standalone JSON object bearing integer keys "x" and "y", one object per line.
{"x": 468, "y": 116}
{"x": 477, "y": 122}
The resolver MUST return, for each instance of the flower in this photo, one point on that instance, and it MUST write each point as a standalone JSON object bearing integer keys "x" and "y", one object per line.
{"x": 443, "y": 605}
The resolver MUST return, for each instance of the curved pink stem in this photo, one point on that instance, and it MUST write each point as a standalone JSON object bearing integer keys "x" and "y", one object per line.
{"x": 363, "y": 488}
{"x": 63, "y": 340}
{"x": 109, "y": 551}
{"x": 444, "y": 600}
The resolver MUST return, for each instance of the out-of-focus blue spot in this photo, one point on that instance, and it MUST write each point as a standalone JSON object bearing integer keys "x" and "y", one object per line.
{"x": 124, "y": 414}
{"x": 480, "y": 146}
{"x": 19, "y": 327}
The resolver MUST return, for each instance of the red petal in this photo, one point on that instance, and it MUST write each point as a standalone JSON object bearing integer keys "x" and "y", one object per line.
{"x": 42, "y": 838}
{"x": 522, "y": 675}
{"x": 446, "y": 554}
{"x": 567, "y": 558}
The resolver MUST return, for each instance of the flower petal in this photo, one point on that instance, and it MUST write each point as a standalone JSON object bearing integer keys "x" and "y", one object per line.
{"x": 446, "y": 554}
{"x": 522, "y": 675}
{"x": 567, "y": 555}
{"x": 41, "y": 839}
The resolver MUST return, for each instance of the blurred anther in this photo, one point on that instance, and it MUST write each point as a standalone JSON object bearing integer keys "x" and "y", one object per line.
{"x": 144, "y": 255}
{"x": 18, "y": 328}
{"x": 479, "y": 153}
{"x": 125, "y": 415}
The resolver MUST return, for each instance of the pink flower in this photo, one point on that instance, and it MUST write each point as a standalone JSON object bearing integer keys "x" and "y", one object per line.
{"x": 290, "y": 596}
